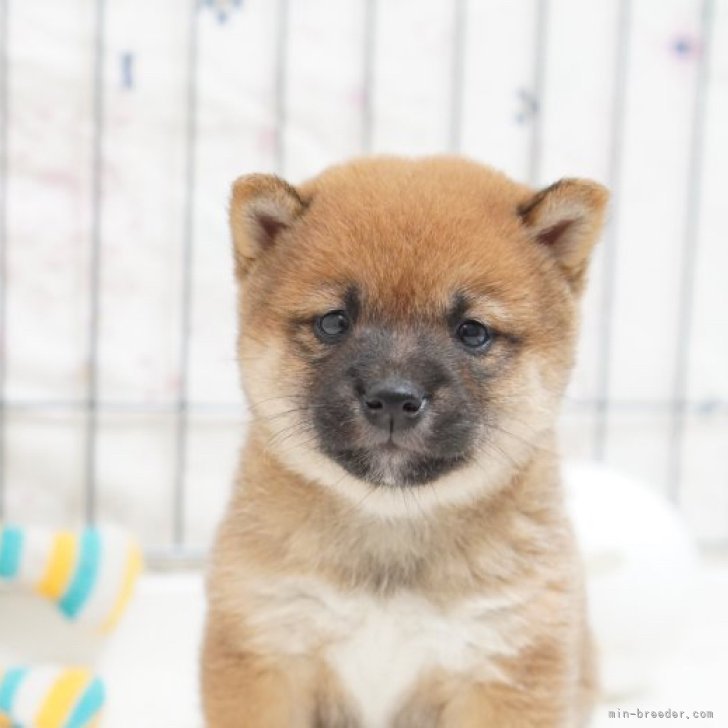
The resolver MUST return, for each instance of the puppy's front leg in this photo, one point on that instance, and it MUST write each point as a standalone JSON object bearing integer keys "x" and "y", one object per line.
{"x": 490, "y": 706}
{"x": 444, "y": 700}
{"x": 479, "y": 706}
{"x": 241, "y": 691}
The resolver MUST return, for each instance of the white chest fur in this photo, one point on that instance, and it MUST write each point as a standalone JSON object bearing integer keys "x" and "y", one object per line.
{"x": 378, "y": 647}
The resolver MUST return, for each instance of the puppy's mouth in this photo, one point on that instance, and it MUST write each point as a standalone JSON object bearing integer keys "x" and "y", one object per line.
{"x": 393, "y": 464}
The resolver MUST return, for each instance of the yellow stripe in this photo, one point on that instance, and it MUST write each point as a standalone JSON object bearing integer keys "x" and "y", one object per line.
{"x": 60, "y": 566}
{"x": 62, "y": 698}
{"x": 4, "y": 720}
{"x": 133, "y": 567}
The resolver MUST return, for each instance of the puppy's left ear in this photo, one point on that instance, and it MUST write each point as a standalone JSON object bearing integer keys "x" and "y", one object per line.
{"x": 567, "y": 218}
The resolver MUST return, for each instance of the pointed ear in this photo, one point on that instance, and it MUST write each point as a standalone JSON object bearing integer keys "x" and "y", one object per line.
{"x": 262, "y": 207}
{"x": 567, "y": 218}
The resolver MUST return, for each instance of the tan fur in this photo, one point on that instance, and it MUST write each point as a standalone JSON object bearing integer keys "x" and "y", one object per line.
{"x": 488, "y": 545}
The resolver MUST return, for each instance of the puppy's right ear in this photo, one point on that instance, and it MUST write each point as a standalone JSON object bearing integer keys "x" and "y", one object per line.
{"x": 262, "y": 208}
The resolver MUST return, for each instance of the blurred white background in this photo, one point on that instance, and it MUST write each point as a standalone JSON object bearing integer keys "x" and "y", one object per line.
{"x": 123, "y": 123}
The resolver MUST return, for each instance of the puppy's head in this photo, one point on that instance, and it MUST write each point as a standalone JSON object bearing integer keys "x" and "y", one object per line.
{"x": 408, "y": 323}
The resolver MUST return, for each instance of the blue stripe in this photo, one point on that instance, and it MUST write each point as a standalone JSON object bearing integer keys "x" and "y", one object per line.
{"x": 9, "y": 687}
{"x": 88, "y": 706}
{"x": 86, "y": 573}
{"x": 11, "y": 546}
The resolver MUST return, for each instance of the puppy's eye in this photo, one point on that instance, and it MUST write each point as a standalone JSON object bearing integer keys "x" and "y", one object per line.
{"x": 332, "y": 326}
{"x": 474, "y": 335}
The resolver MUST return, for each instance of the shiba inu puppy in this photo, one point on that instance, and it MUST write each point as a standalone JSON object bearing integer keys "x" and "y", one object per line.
{"x": 396, "y": 551}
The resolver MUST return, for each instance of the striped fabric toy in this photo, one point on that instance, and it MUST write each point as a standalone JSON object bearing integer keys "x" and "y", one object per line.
{"x": 48, "y": 697}
{"x": 89, "y": 574}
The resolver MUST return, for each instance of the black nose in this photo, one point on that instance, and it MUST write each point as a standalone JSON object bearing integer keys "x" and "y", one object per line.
{"x": 394, "y": 405}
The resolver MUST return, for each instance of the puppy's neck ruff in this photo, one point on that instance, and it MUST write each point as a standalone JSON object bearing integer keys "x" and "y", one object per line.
{"x": 305, "y": 527}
